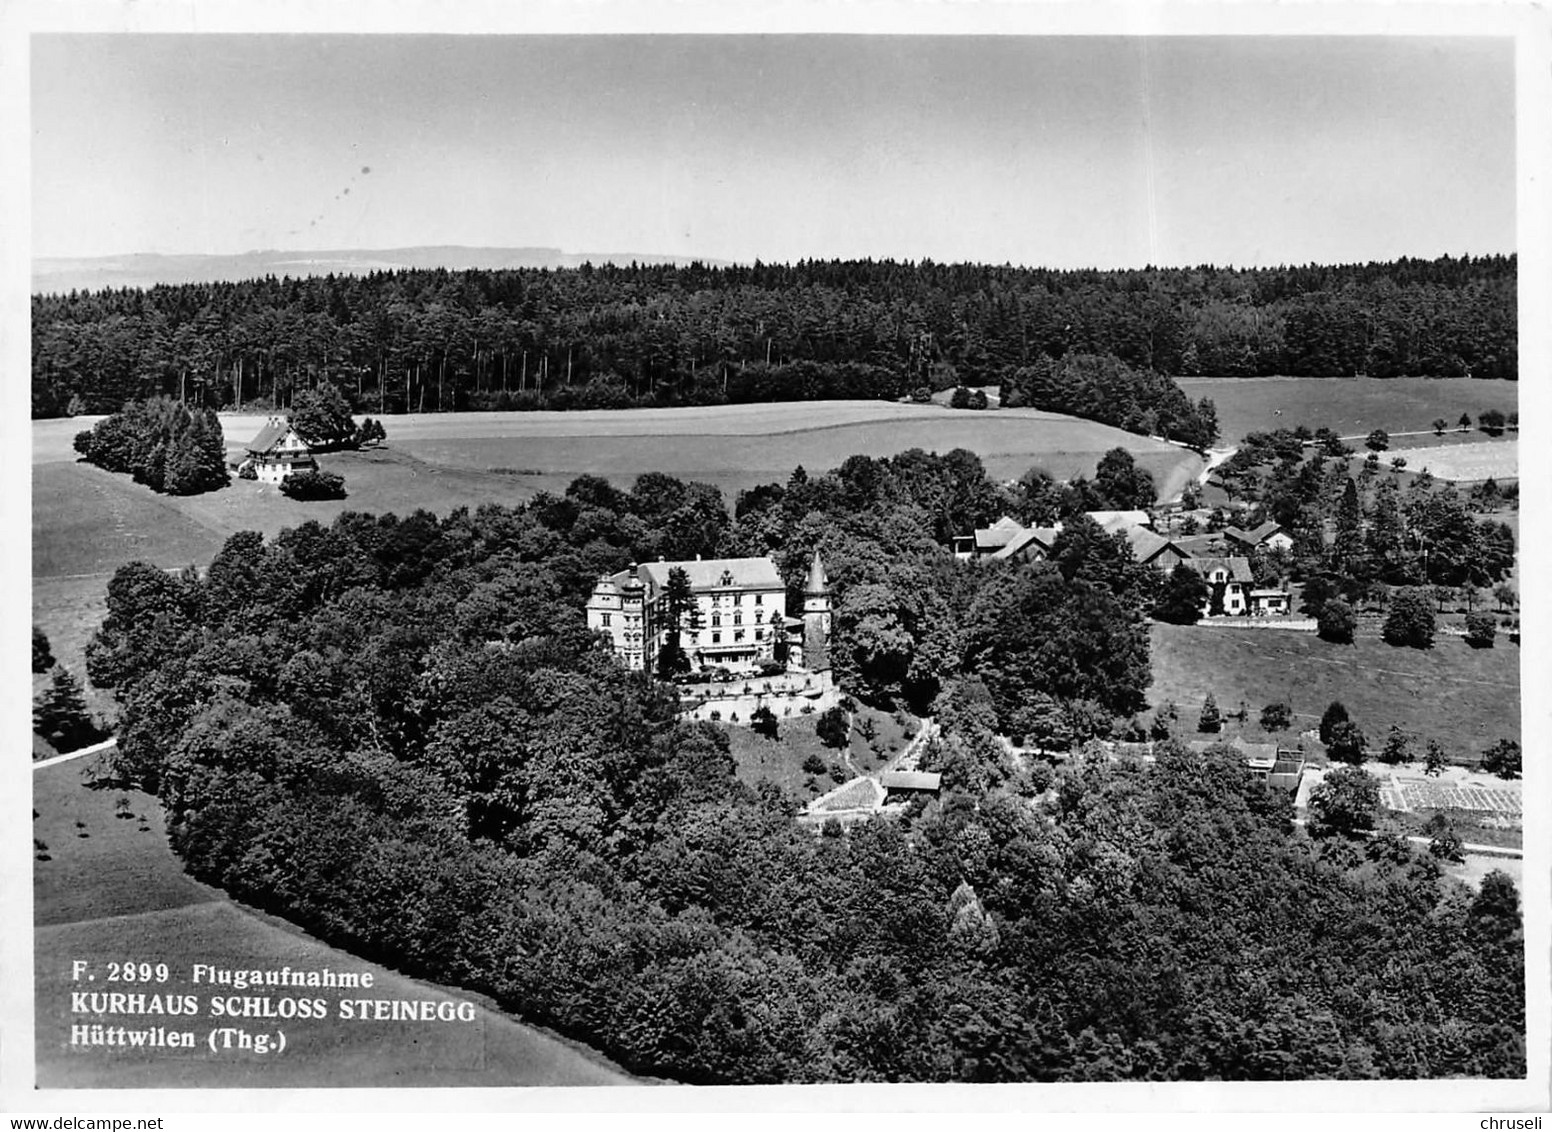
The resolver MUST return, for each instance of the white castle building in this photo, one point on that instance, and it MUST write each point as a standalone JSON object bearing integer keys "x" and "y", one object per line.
{"x": 740, "y": 614}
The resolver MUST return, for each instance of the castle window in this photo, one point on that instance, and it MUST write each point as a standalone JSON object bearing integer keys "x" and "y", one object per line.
{"x": 716, "y": 638}
{"x": 738, "y": 599}
{"x": 738, "y": 636}
{"x": 716, "y": 620}
{"x": 606, "y": 619}
{"x": 759, "y": 634}
{"x": 759, "y": 599}
{"x": 738, "y": 618}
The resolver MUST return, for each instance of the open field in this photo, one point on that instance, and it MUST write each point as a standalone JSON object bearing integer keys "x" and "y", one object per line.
{"x": 1348, "y": 404}
{"x": 738, "y": 447}
{"x": 1465, "y": 698}
{"x": 1463, "y": 463}
{"x": 119, "y": 894}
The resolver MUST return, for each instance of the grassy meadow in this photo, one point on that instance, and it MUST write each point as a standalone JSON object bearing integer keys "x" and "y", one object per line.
{"x": 1465, "y": 698}
{"x": 118, "y": 893}
{"x": 780, "y": 760}
{"x": 1350, "y": 405}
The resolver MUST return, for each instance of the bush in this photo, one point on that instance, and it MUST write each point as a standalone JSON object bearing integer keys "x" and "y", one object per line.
{"x": 60, "y": 714}
{"x": 815, "y": 764}
{"x": 1445, "y": 843}
{"x": 1480, "y": 630}
{"x": 1276, "y": 717}
{"x": 42, "y": 654}
{"x": 1410, "y": 621}
{"x": 1336, "y": 712}
{"x": 1502, "y": 759}
{"x": 832, "y": 727}
{"x": 1348, "y": 743}
{"x": 763, "y": 722}
{"x": 1337, "y": 621}
{"x": 313, "y": 485}
{"x": 1378, "y": 440}
{"x": 1211, "y": 719}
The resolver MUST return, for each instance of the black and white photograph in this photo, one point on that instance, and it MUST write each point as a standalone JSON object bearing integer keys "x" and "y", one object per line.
{"x": 917, "y": 548}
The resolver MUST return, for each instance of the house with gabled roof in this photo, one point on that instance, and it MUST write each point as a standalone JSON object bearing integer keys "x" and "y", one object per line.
{"x": 1152, "y": 549}
{"x": 1031, "y": 544}
{"x": 1268, "y": 536}
{"x": 277, "y": 452}
{"x": 1229, "y": 582}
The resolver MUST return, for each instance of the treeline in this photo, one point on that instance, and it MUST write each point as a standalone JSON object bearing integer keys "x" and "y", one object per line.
{"x": 1104, "y": 388}
{"x": 658, "y": 335}
{"x": 163, "y": 444}
{"x": 399, "y": 734}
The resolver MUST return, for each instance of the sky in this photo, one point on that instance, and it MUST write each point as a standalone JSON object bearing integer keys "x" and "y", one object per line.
{"x": 1062, "y": 152}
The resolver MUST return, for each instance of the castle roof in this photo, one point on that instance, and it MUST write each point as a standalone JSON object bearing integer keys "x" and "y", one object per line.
{"x": 717, "y": 573}
{"x": 817, "y": 582}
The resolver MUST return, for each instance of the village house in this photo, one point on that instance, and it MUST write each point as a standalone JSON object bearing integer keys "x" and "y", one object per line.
{"x": 277, "y": 452}
{"x": 1229, "y": 583}
{"x": 740, "y": 618}
{"x": 1229, "y": 575}
{"x": 1152, "y": 549}
{"x": 1268, "y": 536}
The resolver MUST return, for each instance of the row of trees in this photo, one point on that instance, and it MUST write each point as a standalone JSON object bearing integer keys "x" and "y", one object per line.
{"x": 399, "y": 734}
{"x": 618, "y": 336}
{"x": 162, "y": 443}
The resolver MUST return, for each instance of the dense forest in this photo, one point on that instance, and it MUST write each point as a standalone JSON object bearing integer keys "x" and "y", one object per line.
{"x": 620, "y": 336}
{"x": 399, "y": 733}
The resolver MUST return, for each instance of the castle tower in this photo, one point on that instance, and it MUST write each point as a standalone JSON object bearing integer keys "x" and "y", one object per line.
{"x": 637, "y": 644}
{"x": 816, "y": 618}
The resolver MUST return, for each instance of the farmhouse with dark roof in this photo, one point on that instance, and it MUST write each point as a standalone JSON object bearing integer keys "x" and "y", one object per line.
{"x": 276, "y": 453}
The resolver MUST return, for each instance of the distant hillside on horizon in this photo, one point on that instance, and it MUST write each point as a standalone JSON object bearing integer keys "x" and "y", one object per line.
{"x": 59, "y": 275}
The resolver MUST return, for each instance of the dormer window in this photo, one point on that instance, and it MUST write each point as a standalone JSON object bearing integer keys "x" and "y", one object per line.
{"x": 727, "y": 577}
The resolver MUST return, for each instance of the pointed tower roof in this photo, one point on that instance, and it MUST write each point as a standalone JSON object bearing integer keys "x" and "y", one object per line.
{"x": 817, "y": 582}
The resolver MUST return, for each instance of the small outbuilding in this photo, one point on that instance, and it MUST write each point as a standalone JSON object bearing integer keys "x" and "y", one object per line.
{"x": 900, "y": 785}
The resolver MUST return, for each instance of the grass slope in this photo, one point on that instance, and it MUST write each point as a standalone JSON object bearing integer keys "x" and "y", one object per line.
{"x": 1463, "y": 697}
{"x": 120, "y": 894}
{"x": 780, "y": 760}
{"x": 738, "y": 447}
{"x": 1351, "y": 405}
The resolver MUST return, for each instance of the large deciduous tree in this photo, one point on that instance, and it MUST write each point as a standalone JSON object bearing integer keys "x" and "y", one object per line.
{"x": 1410, "y": 621}
{"x": 1344, "y": 803}
{"x": 321, "y": 416}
